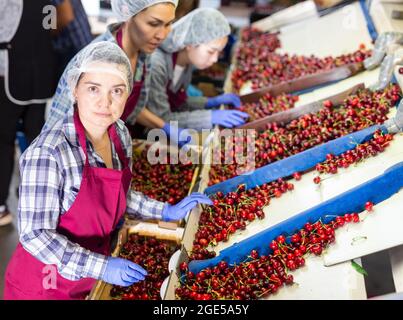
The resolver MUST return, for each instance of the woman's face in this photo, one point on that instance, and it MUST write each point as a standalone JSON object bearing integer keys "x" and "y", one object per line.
{"x": 101, "y": 96}
{"x": 149, "y": 28}
{"x": 205, "y": 55}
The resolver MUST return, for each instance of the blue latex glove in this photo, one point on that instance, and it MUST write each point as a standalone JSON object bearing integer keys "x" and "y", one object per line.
{"x": 228, "y": 118}
{"x": 226, "y": 98}
{"x": 178, "y": 211}
{"x": 169, "y": 130}
{"x": 123, "y": 272}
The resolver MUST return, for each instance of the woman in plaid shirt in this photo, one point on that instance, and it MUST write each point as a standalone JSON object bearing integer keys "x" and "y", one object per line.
{"x": 75, "y": 187}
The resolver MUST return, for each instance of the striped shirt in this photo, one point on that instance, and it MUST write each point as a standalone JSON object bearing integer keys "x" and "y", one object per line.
{"x": 62, "y": 101}
{"x": 51, "y": 173}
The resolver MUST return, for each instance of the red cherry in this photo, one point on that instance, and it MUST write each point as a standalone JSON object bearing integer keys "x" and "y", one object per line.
{"x": 273, "y": 245}
{"x": 340, "y": 221}
{"x": 254, "y": 254}
{"x": 280, "y": 239}
{"x": 329, "y": 156}
{"x": 297, "y": 176}
{"x": 289, "y": 280}
{"x": 369, "y": 206}
{"x": 251, "y": 216}
{"x": 302, "y": 248}
{"x": 291, "y": 265}
{"x": 295, "y": 238}
{"x": 317, "y": 250}
{"x": 183, "y": 267}
{"x": 327, "y": 104}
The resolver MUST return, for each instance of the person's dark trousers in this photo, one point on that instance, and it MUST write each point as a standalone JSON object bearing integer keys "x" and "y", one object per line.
{"x": 32, "y": 117}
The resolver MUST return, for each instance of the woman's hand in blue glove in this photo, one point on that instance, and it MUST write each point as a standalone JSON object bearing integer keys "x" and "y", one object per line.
{"x": 228, "y": 118}
{"x": 123, "y": 272}
{"x": 227, "y": 98}
{"x": 179, "y": 211}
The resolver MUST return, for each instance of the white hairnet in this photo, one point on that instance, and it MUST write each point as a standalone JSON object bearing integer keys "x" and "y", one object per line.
{"x": 104, "y": 56}
{"x": 125, "y": 9}
{"x": 198, "y": 27}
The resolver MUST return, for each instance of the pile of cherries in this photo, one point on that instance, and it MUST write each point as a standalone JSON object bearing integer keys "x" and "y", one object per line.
{"x": 232, "y": 212}
{"x": 163, "y": 182}
{"x": 279, "y": 141}
{"x": 153, "y": 255}
{"x": 269, "y": 104}
{"x": 258, "y": 63}
{"x": 255, "y": 42}
{"x": 262, "y": 275}
{"x": 371, "y": 148}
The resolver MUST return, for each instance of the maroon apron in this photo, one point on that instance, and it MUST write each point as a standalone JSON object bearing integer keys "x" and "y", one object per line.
{"x": 97, "y": 209}
{"x": 135, "y": 94}
{"x": 176, "y": 99}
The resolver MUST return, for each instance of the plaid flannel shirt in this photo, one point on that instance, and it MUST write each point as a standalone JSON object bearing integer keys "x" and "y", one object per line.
{"x": 51, "y": 173}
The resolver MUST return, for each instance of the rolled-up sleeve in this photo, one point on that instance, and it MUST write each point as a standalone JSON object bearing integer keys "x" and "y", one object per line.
{"x": 139, "y": 205}
{"x": 39, "y": 212}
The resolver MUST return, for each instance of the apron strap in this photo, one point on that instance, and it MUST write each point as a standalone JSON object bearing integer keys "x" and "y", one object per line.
{"x": 174, "y": 59}
{"x": 118, "y": 145}
{"x": 119, "y": 37}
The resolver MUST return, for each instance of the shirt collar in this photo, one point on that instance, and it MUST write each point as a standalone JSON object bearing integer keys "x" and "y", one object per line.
{"x": 69, "y": 128}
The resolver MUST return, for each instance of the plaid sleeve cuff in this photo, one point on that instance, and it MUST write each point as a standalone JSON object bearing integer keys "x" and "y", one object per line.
{"x": 147, "y": 208}
{"x": 95, "y": 266}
